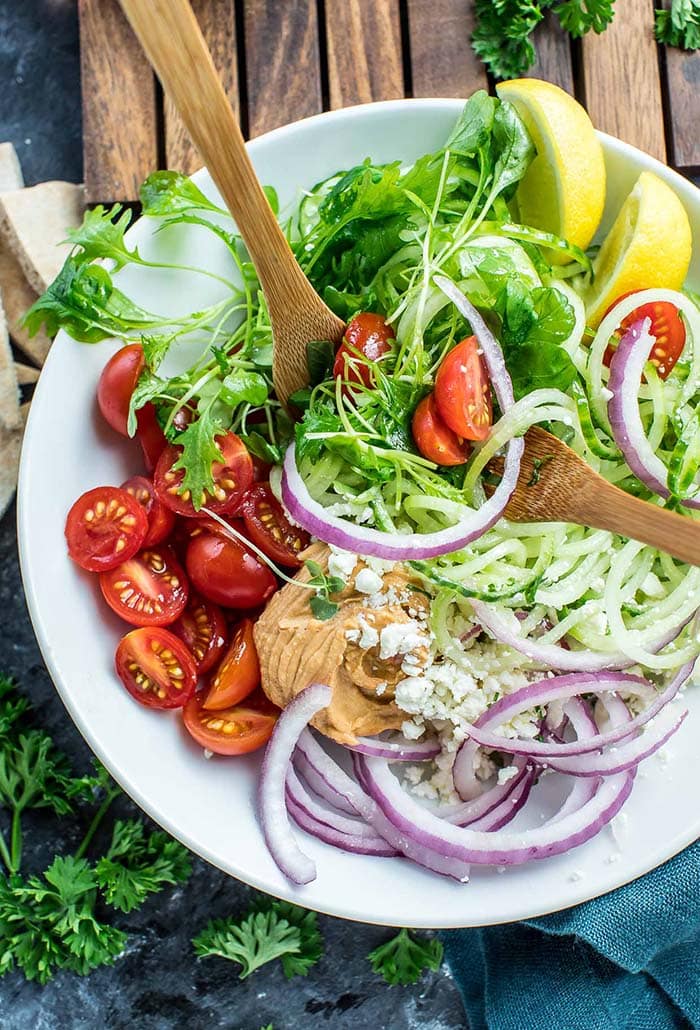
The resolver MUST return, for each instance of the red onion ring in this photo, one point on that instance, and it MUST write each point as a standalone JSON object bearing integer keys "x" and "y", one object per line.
{"x": 315, "y": 519}
{"x": 626, "y": 369}
{"x": 509, "y": 807}
{"x": 396, "y": 750}
{"x": 277, "y": 831}
{"x": 319, "y": 785}
{"x": 469, "y": 812}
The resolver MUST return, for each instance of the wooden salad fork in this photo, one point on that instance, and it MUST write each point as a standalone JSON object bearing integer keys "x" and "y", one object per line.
{"x": 170, "y": 35}
{"x": 556, "y": 485}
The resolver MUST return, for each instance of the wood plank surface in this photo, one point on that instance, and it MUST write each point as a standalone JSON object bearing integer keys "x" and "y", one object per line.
{"x": 283, "y": 68}
{"x": 119, "y": 104}
{"x": 217, "y": 19}
{"x": 443, "y": 63}
{"x": 364, "y": 51}
{"x": 622, "y": 81}
{"x": 683, "y": 90}
{"x": 553, "y": 47}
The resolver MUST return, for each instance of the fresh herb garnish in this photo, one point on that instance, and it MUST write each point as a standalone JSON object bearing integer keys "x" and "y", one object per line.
{"x": 679, "y": 26}
{"x": 53, "y": 920}
{"x": 320, "y": 603}
{"x": 405, "y": 958}
{"x": 272, "y": 930}
{"x": 537, "y": 464}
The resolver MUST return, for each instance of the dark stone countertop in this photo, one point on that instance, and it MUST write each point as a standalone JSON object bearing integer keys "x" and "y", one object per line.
{"x": 158, "y": 984}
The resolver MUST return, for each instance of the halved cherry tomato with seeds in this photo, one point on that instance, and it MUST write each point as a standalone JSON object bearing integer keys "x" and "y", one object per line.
{"x": 434, "y": 439}
{"x": 227, "y": 573}
{"x": 117, "y": 383}
{"x": 232, "y": 731}
{"x": 463, "y": 391}
{"x": 104, "y": 527}
{"x": 366, "y": 335}
{"x": 238, "y": 673}
{"x": 667, "y": 327}
{"x": 203, "y": 628}
{"x": 156, "y": 668}
{"x": 161, "y": 520}
{"x": 149, "y": 589}
{"x": 232, "y": 478}
{"x": 269, "y": 527}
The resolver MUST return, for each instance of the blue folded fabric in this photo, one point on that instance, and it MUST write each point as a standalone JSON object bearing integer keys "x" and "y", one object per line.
{"x": 627, "y": 961}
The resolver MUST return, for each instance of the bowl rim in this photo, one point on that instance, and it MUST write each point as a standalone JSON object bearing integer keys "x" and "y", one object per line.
{"x": 132, "y": 789}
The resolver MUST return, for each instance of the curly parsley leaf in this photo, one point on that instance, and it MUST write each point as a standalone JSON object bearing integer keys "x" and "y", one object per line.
{"x": 679, "y": 26}
{"x": 101, "y": 235}
{"x": 578, "y": 17}
{"x": 170, "y": 193}
{"x": 404, "y": 958}
{"x": 259, "y": 938}
{"x": 13, "y": 707}
{"x": 34, "y": 774}
{"x": 306, "y": 922}
{"x": 138, "y": 864}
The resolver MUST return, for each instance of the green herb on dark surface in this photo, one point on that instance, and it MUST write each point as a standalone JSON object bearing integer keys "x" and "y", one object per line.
{"x": 679, "y": 26}
{"x": 272, "y": 930}
{"x": 54, "y": 919}
{"x": 320, "y": 603}
{"x": 405, "y": 958}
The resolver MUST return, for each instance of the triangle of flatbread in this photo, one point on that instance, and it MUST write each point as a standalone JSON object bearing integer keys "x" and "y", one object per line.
{"x": 34, "y": 221}
{"x": 9, "y": 390}
{"x": 10, "y": 171}
{"x": 26, "y": 374}
{"x": 10, "y": 447}
{"x": 17, "y": 297}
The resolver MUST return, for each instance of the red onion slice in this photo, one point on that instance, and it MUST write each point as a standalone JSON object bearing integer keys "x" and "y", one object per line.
{"x": 315, "y": 519}
{"x": 277, "y": 831}
{"x": 520, "y": 701}
{"x": 396, "y": 749}
{"x": 320, "y": 786}
{"x": 483, "y": 848}
{"x": 581, "y": 718}
{"x": 509, "y": 807}
{"x": 469, "y": 812}
{"x": 626, "y": 369}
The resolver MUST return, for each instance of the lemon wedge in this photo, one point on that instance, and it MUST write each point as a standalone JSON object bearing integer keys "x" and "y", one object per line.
{"x": 563, "y": 190}
{"x": 649, "y": 245}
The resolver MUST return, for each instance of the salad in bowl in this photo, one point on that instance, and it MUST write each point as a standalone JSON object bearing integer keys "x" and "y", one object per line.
{"x": 335, "y": 581}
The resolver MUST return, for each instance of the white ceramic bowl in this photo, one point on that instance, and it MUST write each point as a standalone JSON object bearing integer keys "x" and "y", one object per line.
{"x": 210, "y": 805}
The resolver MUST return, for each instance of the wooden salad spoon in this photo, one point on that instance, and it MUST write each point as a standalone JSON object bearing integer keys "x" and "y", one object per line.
{"x": 170, "y": 35}
{"x": 556, "y": 485}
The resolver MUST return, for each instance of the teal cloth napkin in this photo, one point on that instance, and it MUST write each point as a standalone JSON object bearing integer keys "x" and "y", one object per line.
{"x": 627, "y": 961}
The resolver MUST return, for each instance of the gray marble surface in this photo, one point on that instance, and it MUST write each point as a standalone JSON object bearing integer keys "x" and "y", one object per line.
{"x": 158, "y": 983}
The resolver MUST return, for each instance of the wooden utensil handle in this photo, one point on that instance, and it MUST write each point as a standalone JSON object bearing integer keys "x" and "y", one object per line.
{"x": 608, "y": 507}
{"x": 171, "y": 37}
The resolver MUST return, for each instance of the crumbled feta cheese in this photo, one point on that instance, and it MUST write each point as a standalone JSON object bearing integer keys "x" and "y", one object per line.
{"x": 652, "y": 586}
{"x": 207, "y": 753}
{"x": 353, "y": 635}
{"x": 341, "y": 563}
{"x": 398, "y": 638}
{"x": 369, "y": 636}
{"x": 411, "y": 730}
{"x": 411, "y": 694}
{"x": 380, "y": 688}
{"x": 507, "y": 773}
{"x": 368, "y": 582}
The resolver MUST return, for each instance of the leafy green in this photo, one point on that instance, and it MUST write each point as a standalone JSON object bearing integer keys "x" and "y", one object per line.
{"x": 199, "y": 451}
{"x": 578, "y": 17}
{"x": 513, "y": 148}
{"x": 535, "y": 323}
{"x": 168, "y": 193}
{"x": 474, "y": 126}
{"x": 404, "y": 958}
{"x": 321, "y": 605}
{"x": 242, "y": 386}
{"x": 679, "y": 26}
{"x": 101, "y": 235}
{"x": 138, "y": 864}
{"x": 277, "y": 930}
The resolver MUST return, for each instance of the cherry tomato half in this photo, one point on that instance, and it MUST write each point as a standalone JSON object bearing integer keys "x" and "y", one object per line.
{"x": 150, "y": 436}
{"x": 149, "y": 589}
{"x": 238, "y": 673}
{"x": 227, "y": 573}
{"x": 269, "y": 528}
{"x": 666, "y": 326}
{"x": 161, "y": 521}
{"x": 232, "y": 731}
{"x": 434, "y": 439}
{"x": 116, "y": 385}
{"x": 156, "y": 668}
{"x": 203, "y": 628}
{"x": 232, "y": 478}
{"x": 369, "y": 335}
{"x": 463, "y": 391}
{"x": 104, "y": 527}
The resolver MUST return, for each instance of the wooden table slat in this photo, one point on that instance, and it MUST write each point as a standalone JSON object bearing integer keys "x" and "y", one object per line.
{"x": 364, "y": 51}
{"x": 554, "y": 61}
{"x": 443, "y": 63}
{"x": 119, "y": 104}
{"x": 217, "y": 19}
{"x": 683, "y": 88}
{"x": 622, "y": 80}
{"x": 283, "y": 67}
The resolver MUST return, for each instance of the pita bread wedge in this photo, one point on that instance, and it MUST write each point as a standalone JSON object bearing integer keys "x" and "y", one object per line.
{"x": 34, "y": 221}
{"x": 10, "y": 447}
{"x": 10, "y": 171}
{"x": 9, "y": 391}
{"x": 26, "y": 374}
{"x": 17, "y": 298}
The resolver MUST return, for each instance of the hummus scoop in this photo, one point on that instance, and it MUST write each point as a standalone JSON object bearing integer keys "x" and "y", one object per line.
{"x": 296, "y": 649}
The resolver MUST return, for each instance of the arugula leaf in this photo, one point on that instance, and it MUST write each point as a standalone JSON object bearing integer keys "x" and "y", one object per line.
{"x": 101, "y": 235}
{"x": 138, "y": 864}
{"x": 514, "y": 150}
{"x": 404, "y": 958}
{"x": 199, "y": 451}
{"x": 534, "y": 325}
{"x": 241, "y": 386}
{"x": 170, "y": 193}
{"x": 49, "y": 923}
{"x": 474, "y": 126}
{"x": 259, "y": 938}
{"x": 679, "y": 26}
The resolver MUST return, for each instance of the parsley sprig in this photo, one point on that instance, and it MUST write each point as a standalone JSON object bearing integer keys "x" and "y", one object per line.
{"x": 404, "y": 958}
{"x": 54, "y": 919}
{"x": 321, "y": 604}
